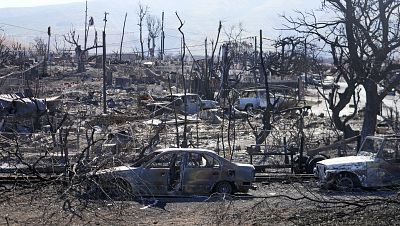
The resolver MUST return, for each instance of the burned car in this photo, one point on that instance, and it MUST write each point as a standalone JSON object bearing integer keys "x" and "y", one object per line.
{"x": 376, "y": 164}
{"x": 176, "y": 171}
{"x": 188, "y": 103}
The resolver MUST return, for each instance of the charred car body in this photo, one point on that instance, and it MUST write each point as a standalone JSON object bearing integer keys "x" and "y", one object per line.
{"x": 188, "y": 103}
{"x": 176, "y": 171}
{"x": 376, "y": 164}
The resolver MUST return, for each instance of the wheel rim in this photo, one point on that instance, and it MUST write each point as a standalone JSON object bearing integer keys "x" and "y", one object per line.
{"x": 345, "y": 183}
{"x": 250, "y": 109}
{"x": 225, "y": 188}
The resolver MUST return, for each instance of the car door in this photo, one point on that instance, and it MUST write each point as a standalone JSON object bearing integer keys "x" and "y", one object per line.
{"x": 248, "y": 98}
{"x": 390, "y": 164}
{"x": 201, "y": 172}
{"x": 154, "y": 177}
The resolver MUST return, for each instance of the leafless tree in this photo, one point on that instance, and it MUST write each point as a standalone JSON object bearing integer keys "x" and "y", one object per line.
{"x": 39, "y": 47}
{"x": 154, "y": 28}
{"x": 4, "y": 52}
{"x": 18, "y": 54}
{"x": 141, "y": 14}
{"x": 364, "y": 37}
{"x": 73, "y": 39}
{"x": 235, "y": 32}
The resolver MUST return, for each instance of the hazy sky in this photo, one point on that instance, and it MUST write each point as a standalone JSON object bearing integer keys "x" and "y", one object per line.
{"x": 32, "y": 3}
{"x": 201, "y": 17}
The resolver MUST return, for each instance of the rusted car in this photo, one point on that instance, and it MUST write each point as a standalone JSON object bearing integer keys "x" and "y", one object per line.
{"x": 376, "y": 164}
{"x": 176, "y": 171}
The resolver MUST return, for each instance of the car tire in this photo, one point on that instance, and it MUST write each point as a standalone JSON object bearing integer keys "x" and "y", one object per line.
{"x": 346, "y": 182}
{"x": 249, "y": 108}
{"x": 224, "y": 187}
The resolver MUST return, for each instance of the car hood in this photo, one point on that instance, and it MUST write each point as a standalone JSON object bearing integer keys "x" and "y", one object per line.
{"x": 349, "y": 160}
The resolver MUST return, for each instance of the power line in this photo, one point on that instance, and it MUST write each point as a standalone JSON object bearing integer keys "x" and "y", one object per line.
{"x": 30, "y": 29}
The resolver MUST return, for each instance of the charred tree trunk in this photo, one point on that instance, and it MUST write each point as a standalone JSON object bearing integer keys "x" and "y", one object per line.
{"x": 153, "y": 46}
{"x": 79, "y": 60}
{"x": 226, "y": 63}
{"x": 372, "y": 107}
{"x": 266, "y": 119}
{"x": 148, "y": 47}
{"x": 344, "y": 99}
{"x": 142, "y": 13}
{"x": 141, "y": 42}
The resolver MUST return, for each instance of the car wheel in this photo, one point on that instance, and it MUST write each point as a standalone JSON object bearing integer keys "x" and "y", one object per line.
{"x": 346, "y": 182}
{"x": 224, "y": 187}
{"x": 249, "y": 108}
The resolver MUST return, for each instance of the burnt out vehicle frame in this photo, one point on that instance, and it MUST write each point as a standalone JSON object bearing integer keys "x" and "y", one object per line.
{"x": 175, "y": 171}
{"x": 376, "y": 164}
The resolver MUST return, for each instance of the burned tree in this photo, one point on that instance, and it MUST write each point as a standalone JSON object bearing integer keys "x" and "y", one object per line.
{"x": 39, "y": 47}
{"x": 287, "y": 49}
{"x": 266, "y": 118}
{"x": 5, "y": 52}
{"x": 79, "y": 52}
{"x": 154, "y": 28}
{"x": 364, "y": 37}
{"x": 141, "y": 14}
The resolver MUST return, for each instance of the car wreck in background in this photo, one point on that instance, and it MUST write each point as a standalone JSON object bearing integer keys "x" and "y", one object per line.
{"x": 257, "y": 99}
{"x": 175, "y": 171}
{"x": 188, "y": 103}
{"x": 376, "y": 164}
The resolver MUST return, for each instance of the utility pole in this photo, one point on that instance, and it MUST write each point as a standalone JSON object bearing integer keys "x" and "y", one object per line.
{"x": 95, "y": 40}
{"x": 206, "y": 64}
{"x": 162, "y": 36}
{"x": 225, "y": 72}
{"x": 122, "y": 39}
{"x": 255, "y": 60}
{"x": 305, "y": 61}
{"x": 48, "y": 47}
{"x": 48, "y": 43}
{"x": 86, "y": 27}
{"x": 265, "y": 73}
{"x": 185, "y": 142}
{"x": 104, "y": 65}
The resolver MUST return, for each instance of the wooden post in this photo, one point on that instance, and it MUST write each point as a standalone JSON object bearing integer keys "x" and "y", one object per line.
{"x": 176, "y": 116}
{"x": 104, "y": 65}
{"x": 255, "y": 60}
{"x": 86, "y": 27}
{"x": 48, "y": 46}
{"x": 305, "y": 62}
{"x": 162, "y": 36}
{"x": 301, "y": 151}
{"x": 185, "y": 143}
{"x": 104, "y": 73}
{"x": 285, "y": 148}
{"x": 122, "y": 39}
{"x": 206, "y": 61}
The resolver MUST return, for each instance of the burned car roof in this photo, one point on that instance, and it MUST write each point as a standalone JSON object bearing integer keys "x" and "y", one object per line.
{"x": 185, "y": 150}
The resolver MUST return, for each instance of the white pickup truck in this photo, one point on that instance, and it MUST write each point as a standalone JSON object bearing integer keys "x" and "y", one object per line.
{"x": 256, "y": 99}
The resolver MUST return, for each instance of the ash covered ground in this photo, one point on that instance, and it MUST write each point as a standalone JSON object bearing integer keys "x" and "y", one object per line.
{"x": 83, "y": 139}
